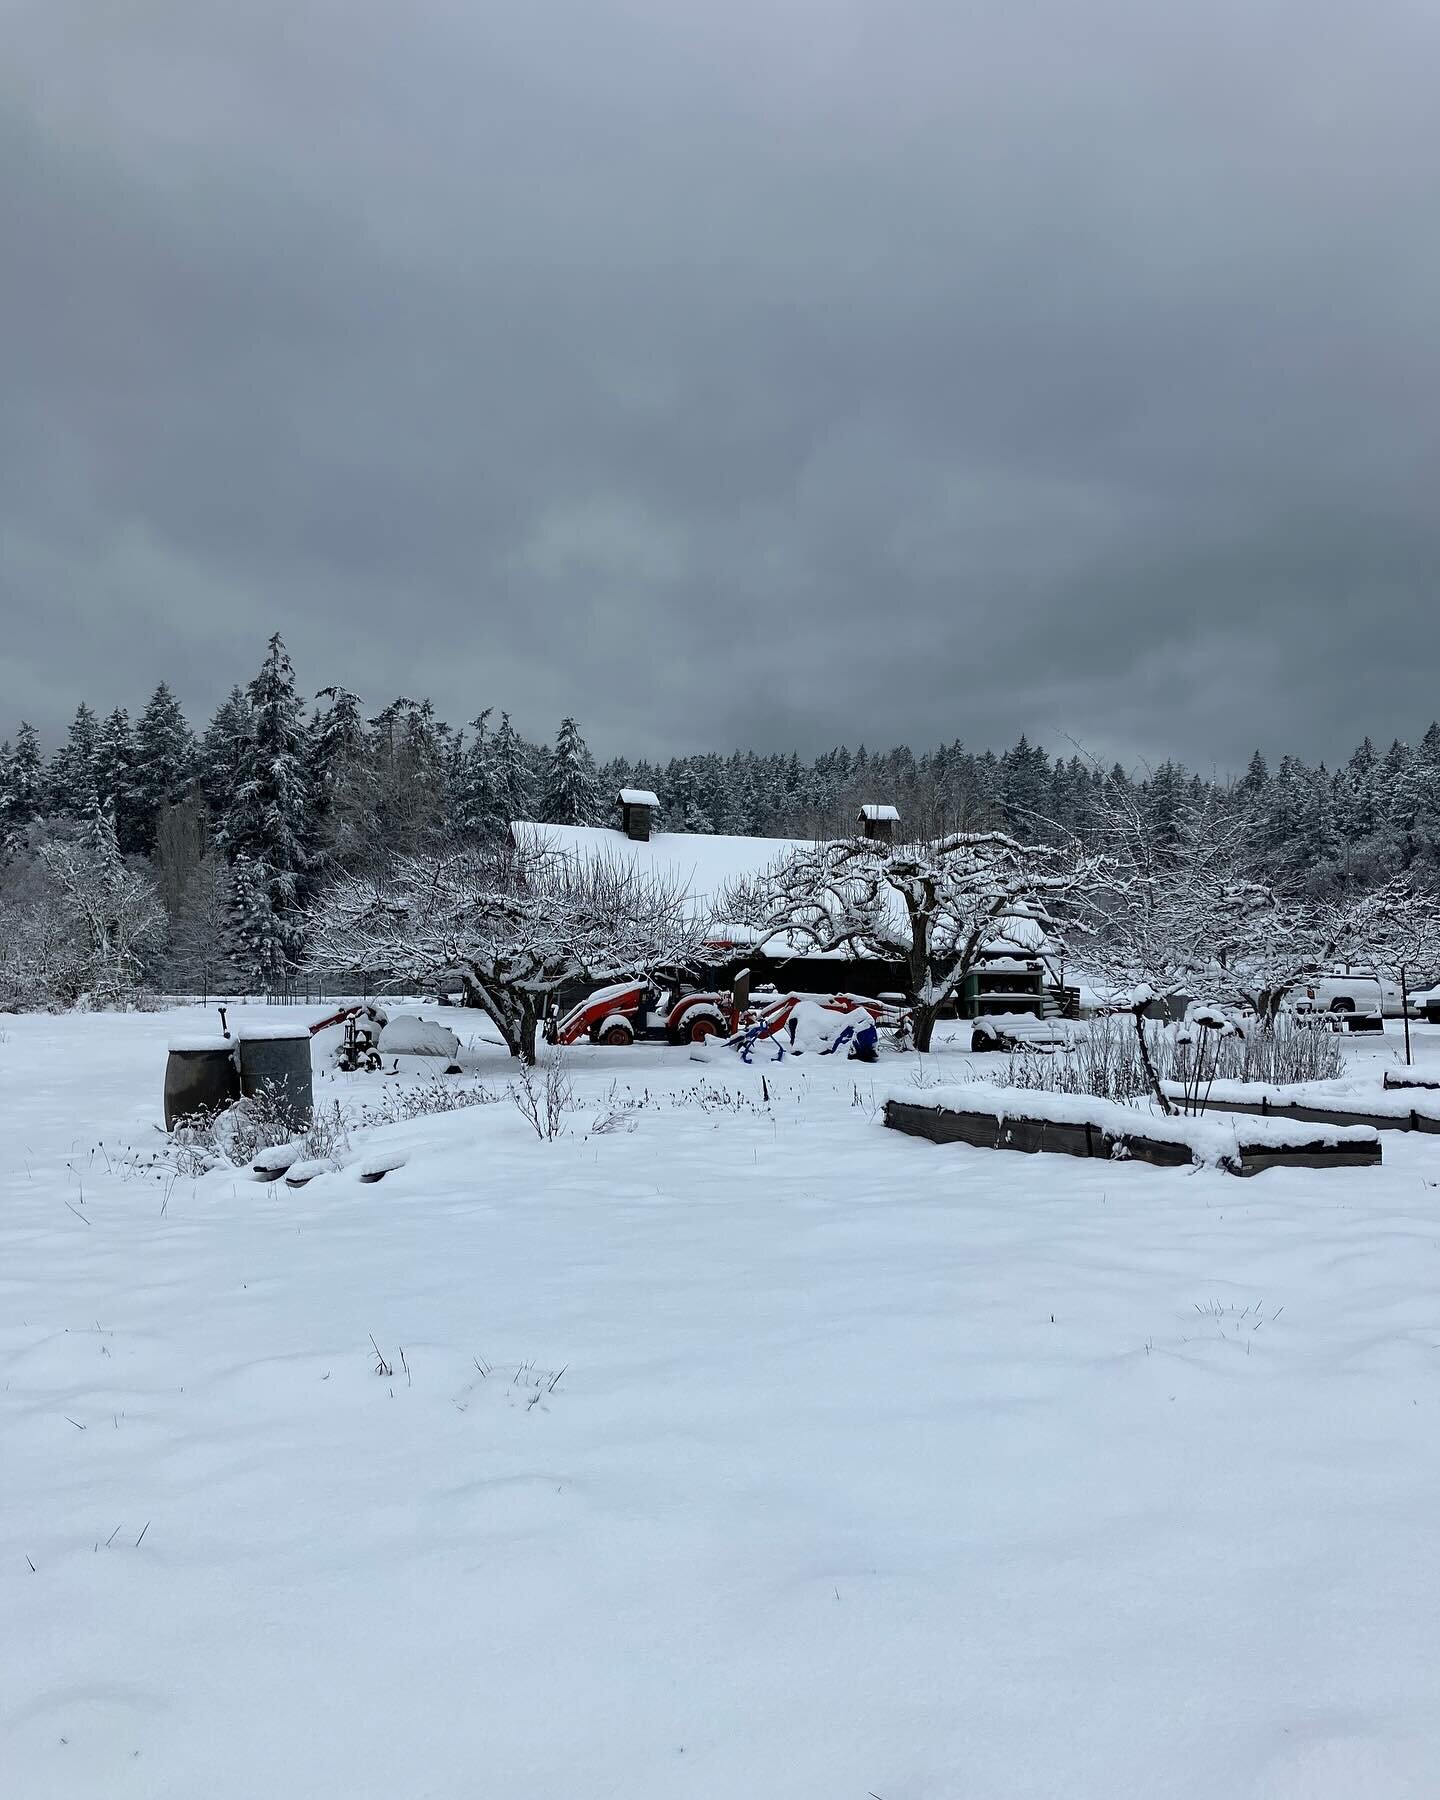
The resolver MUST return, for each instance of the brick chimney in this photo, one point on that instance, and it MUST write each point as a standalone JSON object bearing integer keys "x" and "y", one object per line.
{"x": 637, "y": 809}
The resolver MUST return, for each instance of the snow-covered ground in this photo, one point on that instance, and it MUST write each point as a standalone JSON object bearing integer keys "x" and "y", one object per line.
{"x": 752, "y": 1451}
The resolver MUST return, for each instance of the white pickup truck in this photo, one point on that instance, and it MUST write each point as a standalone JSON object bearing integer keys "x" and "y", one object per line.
{"x": 1359, "y": 991}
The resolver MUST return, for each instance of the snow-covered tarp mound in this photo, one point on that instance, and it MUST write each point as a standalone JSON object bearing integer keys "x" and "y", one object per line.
{"x": 408, "y": 1035}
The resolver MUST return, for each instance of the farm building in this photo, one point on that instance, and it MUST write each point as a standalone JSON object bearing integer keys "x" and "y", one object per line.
{"x": 705, "y": 866}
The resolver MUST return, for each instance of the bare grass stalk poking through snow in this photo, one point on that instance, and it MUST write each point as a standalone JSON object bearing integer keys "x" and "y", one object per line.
{"x": 544, "y": 1105}
{"x": 396, "y": 1104}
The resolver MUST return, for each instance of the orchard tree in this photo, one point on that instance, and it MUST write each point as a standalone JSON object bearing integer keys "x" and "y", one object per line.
{"x": 116, "y": 914}
{"x": 1396, "y": 930}
{"x": 514, "y": 926}
{"x": 932, "y": 906}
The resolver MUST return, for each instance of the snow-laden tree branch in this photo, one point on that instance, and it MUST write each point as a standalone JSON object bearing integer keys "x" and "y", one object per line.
{"x": 1396, "y": 930}
{"x": 931, "y": 906}
{"x": 515, "y": 927}
{"x": 115, "y": 914}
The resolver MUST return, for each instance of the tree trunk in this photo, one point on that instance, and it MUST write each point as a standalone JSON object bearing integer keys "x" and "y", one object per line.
{"x": 510, "y": 1028}
{"x": 926, "y": 1011}
{"x": 529, "y": 1019}
{"x": 1138, "y": 1015}
{"x": 1405, "y": 1012}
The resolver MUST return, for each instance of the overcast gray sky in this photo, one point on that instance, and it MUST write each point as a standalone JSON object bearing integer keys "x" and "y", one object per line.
{"x": 773, "y": 372}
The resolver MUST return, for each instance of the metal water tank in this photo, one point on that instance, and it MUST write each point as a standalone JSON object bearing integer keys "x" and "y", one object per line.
{"x": 201, "y": 1076}
{"x": 276, "y": 1059}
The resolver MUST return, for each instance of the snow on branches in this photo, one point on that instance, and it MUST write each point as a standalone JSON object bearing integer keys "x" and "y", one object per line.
{"x": 514, "y": 926}
{"x": 931, "y": 906}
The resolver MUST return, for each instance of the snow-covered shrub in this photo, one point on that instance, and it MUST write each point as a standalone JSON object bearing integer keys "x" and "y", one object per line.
{"x": 544, "y": 1104}
{"x": 1106, "y": 1060}
{"x": 77, "y": 920}
{"x": 1288, "y": 1051}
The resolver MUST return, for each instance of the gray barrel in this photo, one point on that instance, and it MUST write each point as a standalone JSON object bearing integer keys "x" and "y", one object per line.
{"x": 200, "y": 1077}
{"x": 278, "y": 1062}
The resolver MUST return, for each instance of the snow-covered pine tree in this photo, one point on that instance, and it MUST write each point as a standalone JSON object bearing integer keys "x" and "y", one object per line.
{"x": 70, "y": 779}
{"x": 113, "y": 776}
{"x": 343, "y": 783}
{"x": 570, "y": 794}
{"x": 478, "y": 813}
{"x": 22, "y": 786}
{"x": 165, "y": 761}
{"x": 222, "y": 751}
{"x": 266, "y": 834}
{"x": 683, "y": 799}
{"x": 510, "y": 772}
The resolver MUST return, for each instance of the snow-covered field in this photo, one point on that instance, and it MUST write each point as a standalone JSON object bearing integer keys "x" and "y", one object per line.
{"x": 754, "y": 1451}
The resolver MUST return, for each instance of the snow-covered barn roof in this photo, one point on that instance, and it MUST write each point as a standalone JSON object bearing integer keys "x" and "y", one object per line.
{"x": 871, "y": 810}
{"x": 702, "y": 865}
{"x": 638, "y": 797}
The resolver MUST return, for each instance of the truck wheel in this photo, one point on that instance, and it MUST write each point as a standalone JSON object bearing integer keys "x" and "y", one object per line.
{"x": 1343, "y": 1004}
{"x": 617, "y": 1029}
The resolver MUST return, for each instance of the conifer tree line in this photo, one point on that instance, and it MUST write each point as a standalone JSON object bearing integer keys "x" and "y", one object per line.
{"x": 236, "y": 826}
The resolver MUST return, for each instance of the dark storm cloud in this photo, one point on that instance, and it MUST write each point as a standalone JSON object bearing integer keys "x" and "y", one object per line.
{"x": 766, "y": 374}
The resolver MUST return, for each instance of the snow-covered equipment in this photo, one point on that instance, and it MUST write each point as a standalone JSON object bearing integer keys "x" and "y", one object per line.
{"x": 273, "y": 1162}
{"x": 357, "y": 1046}
{"x": 1019, "y": 1031}
{"x": 626, "y": 1010}
{"x": 201, "y": 1076}
{"x": 637, "y": 1009}
{"x": 300, "y": 1174}
{"x": 382, "y": 1163}
{"x": 408, "y": 1035}
{"x": 275, "y": 1061}
{"x": 796, "y": 1023}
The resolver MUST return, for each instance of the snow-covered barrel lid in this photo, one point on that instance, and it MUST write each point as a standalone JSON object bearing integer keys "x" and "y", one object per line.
{"x": 198, "y": 1043}
{"x": 872, "y": 810}
{"x": 263, "y": 1034}
{"x": 637, "y": 797}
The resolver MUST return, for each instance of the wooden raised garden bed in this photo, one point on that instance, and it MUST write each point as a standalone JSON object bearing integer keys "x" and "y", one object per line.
{"x": 994, "y": 1118}
{"x": 1381, "y": 1109}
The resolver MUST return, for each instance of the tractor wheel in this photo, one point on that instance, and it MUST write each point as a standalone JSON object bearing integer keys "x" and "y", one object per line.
{"x": 617, "y": 1029}
{"x": 701, "y": 1023}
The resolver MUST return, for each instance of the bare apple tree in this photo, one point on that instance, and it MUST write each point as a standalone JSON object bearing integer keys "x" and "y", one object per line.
{"x": 931, "y": 906}
{"x": 514, "y": 926}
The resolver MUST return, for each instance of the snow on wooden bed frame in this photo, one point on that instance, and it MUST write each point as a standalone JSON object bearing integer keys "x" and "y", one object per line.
{"x": 1387, "y": 1108}
{"x": 997, "y": 1118}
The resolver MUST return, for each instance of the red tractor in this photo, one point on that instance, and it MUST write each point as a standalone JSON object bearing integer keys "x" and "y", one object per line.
{"x": 639, "y": 1009}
